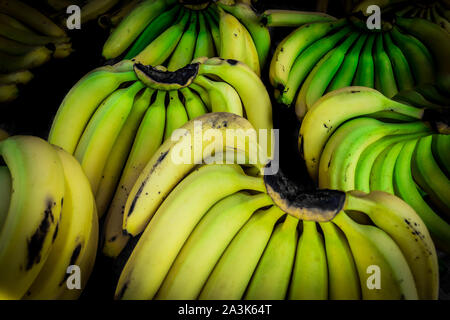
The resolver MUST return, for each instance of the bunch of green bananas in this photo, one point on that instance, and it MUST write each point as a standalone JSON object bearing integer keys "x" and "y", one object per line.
{"x": 437, "y": 12}
{"x": 28, "y": 39}
{"x": 363, "y": 148}
{"x": 48, "y": 221}
{"x": 172, "y": 33}
{"x": 230, "y": 240}
{"x": 115, "y": 118}
{"x": 321, "y": 57}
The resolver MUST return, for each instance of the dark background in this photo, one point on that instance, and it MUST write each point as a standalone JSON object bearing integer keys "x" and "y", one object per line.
{"x": 32, "y": 114}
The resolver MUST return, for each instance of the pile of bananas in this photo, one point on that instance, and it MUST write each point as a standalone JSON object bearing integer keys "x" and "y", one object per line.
{"x": 321, "y": 57}
{"x": 28, "y": 39}
{"x": 48, "y": 221}
{"x": 115, "y": 118}
{"x": 361, "y": 150}
{"x": 230, "y": 240}
{"x": 437, "y": 12}
{"x": 173, "y": 33}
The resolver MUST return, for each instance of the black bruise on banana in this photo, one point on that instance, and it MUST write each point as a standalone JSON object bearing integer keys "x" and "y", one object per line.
{"x": 36, "y": 241}
{"x": 311, "y": 205}
{"x": 166, "y": 80}
{"x": 141, "y": 187}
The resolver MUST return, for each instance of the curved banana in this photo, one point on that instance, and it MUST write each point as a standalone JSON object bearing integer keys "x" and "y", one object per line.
{"x": 102, "y": 131}
{"x": 34, "y": 212}
{"x": 204, "y": 46}
{"x": 310, "y": 274}
{"x": 384, "y": 74}
{"x": 292, "y": 18}
{"x": 185, "y": 49}
{"x": 81, "y": 102}
{"x": 440, "y": 146}
{"x": 233, "y": 272}
{"x": 148, "y": 139}
{"x": 365, "y": 73}
{"x": 271, "y": 278}
{"x": 176, "y": 115}
{"x": 119, "y": 152}
{"x": 30, "y": 60}
{"x": 195, "y": 107}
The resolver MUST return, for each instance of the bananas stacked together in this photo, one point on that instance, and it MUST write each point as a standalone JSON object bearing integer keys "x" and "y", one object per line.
{"x": 208, "y": 240}
{"x": 115, "y": 118}
{"x": 436, "y": 12}
{"x": 321, "y": 57}
{"x": 360, "y": 150}
{"x": 48, "y": 221}
{"x": 28, "y": 39}
{"x": 173, "y": 33}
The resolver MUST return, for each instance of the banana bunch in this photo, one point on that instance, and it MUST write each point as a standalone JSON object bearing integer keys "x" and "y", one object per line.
{"x": 320, "y": 57}
{"x": 116, "y": 117}
{"x": 48, "y": 221}
{"x": 292, "y": 18}
{"x": 173, "y": 33}
{"x": 236, "y": 240}
{"x": 437, "y": 12}
{"x": 357, "y": 139}
{"x": 28, "y": 39}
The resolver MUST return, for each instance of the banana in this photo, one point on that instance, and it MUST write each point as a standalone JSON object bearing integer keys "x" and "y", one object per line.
{"x": 30, "y": 60}
{"x": 5, "y": 192}
{"x": 306, "y": 61}
{"x": 11, "y": 21}
{"x": 148, "y": 139}
{"x": 436, "y": 40}
{"x": 34, "y": 212}
{"x": 223, "y": 97}
{"x": 384, "y": 75}
{"x": 102, "y": 131}
{"x": 321, "y": 75}
{"x": 8, "y": 92}
{"x": 119, "y": 152}
{"x": 270, "y": 280}
{"x": 405, "y": 227}
{"x": 292, "y": 18}
{"x": 14, "y": 48}
{"x": 93, "y": 9}
{"x": 340, "y": 156}
{"x": 132, "y": 25}
{"x": 418, "y": 56}
{"x": 232, "y": 37}
{"x": 115, "y": 17}
{"x": 31, "y": 17}
{"x": 233, "y": 272}
{"x": 259, "y": 34}
{"x": 429, "y": 176}
{"x": 343, "y": 280}
{"x": 29, "y": 38}
{"x": 160, "y": 49}
{"x": 155, "y": 252}
{"x": 323, "y": 119}
{"x": 432, "y": 93}
{"x": 400, "y": 65}
{"x": 206, "y": 244}
{"x": 293, "y": 45}
{"x": 373, "y": 246}
{"x": 154, "y": 29}
{"x": 405, "y": 187}
{"x": 184, "y": 51}
{"x": 381, "y": 175}
{"x": 204, "y": 95}
{"x": 193, "y": 103}
{"x": 204, "y": 46}
{"x": 251, "y": 90}
{"x": 368, "y": 156}
{"x": 440, "y": 146}
{"x": 74, "y": 229}
{"x": 347, "y": 71}
{"x": 81, "y": 102}
{"x": 365, "y": 73}
{"x": 414, "y": 98}
{"x": 310, "y": 274}
{"x": 162, "y": 172}
{"x": 176, "y": 115}
{"x": 438, "y": 19}
{"x": 213, "y": 26}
